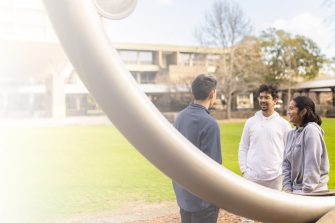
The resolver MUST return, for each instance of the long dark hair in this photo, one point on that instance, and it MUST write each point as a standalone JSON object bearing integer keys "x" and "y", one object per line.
{"x": 302, "y": 102}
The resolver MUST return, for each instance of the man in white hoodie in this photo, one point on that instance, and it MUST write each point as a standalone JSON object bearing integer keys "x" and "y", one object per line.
{"x": 262, "y": 143}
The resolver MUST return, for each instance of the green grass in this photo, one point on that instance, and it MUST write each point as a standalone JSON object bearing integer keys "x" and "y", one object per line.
{"x": 329, "y": 127}
{"x": 68, "y": 170}
{"x": 65, "y": 171}
{"x": 230, "y": 139}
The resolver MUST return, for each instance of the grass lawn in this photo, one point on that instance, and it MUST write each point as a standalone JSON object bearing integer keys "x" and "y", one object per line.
{"x": 63, "y": 171}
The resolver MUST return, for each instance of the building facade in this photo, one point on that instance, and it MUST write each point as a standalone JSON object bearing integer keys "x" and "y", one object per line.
{"x": 37, "y": 79}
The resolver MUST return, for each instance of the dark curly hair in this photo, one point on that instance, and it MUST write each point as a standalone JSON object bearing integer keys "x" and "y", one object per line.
{"x": 269, "y": 89}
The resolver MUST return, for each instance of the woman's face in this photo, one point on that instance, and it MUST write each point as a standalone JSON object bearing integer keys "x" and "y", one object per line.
{"x": 293, "y": 114}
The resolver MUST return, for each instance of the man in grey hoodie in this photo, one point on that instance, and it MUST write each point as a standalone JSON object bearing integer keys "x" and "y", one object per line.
{"x": 262, "y": 143}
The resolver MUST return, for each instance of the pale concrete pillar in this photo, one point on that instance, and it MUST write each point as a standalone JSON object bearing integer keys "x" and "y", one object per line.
{"x": 317, "y": 96}
{"x": 55, "y": 96}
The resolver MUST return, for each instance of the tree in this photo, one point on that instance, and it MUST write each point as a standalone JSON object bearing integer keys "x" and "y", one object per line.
{"x": 225, "y": 26}
{"x": 240, "y": 71}
{"x": 288, "y": 58}
{"x": 179, "y": 86}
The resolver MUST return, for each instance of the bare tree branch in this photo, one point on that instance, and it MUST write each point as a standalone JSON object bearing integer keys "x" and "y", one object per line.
{"x": 225, "y": 26}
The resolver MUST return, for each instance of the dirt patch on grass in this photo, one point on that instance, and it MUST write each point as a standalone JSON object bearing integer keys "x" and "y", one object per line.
{"x": 141, "y": 212}
{"x": 224, "y": 217}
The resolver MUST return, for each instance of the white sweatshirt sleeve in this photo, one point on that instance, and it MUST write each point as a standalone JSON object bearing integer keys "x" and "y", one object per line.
{"x": 287, "y": 129}
{"x": 287, "y": 182}
{"x": 243, "y": 148}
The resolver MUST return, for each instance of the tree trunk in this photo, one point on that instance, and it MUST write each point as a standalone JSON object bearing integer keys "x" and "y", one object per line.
{"x": 229, "y": 98}
{"x": 289, "y": 93}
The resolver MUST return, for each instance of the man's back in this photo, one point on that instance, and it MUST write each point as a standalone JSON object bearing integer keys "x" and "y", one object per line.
{"x": 195, "y": 123}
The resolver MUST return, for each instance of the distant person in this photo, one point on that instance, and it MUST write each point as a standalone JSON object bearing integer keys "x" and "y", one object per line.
{"x": 263, "y": 141}
{"x": 306, "y": 164}
{"x": 196, "y": 124}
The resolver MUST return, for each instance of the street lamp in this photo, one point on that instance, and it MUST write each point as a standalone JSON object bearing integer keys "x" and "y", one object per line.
{"x": 115, "y": 9}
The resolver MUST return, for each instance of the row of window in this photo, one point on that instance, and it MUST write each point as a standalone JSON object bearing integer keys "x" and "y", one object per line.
{"x": 187, "y": 59}
{"x": 144, "y": 77}
{"x": 137, "y": 57}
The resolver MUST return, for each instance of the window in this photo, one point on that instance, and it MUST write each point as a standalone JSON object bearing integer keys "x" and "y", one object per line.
{"x": 244, "y": 101}
{"x": 144, "y": 77}
{"x": 128, "y": 56}
{"x": 213, "y": 59}
{"x": 146, "y": 57}
{"x": 148, "y": 77}
{"x": 136, "y": 76}
{"x": 137, "y": 57}
{"x": 199, "y": 59}
{"x": 185, "y": 59}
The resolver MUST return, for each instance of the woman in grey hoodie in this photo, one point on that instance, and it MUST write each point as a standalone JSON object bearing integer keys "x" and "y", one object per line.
{"x": 306, "y": 164}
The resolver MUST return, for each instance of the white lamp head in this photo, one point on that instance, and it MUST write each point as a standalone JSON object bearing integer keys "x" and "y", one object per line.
{"x": 115, "y": 9}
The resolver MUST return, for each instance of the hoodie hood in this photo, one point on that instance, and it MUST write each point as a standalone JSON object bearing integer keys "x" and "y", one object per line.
{"x": 259, "y": 115}
{"x": 315, "y": 125}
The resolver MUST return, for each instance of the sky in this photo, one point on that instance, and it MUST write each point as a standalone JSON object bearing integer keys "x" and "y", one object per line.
{"x": 174, "y": 21}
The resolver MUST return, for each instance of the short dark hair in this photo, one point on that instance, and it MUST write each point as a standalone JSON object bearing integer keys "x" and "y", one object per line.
{"x": 269, "y": 89}
{"x": 202, "y": 85}
{"x": 302, "y": 102}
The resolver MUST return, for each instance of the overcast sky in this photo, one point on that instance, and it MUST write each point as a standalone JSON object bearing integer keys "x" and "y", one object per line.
{"x": 174, "y": 21}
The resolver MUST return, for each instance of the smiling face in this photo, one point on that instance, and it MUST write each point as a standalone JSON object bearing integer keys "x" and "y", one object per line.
{"x": 267, "y": 103}
{"x": 294, "y": 114}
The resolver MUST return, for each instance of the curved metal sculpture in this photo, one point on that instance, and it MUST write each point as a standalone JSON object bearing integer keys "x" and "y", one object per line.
{"x": 80, "y": 31}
